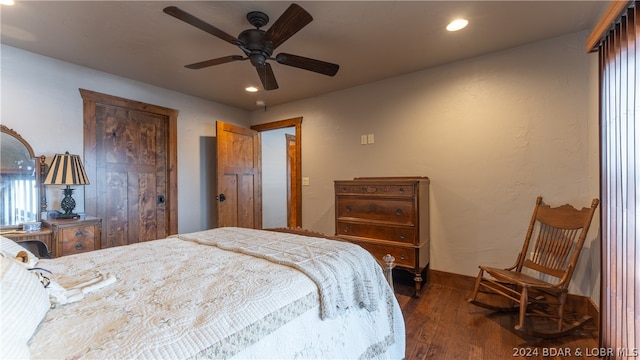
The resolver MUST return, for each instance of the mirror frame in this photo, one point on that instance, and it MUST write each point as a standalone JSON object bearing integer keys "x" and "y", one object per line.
{"x": 41, "y": 165}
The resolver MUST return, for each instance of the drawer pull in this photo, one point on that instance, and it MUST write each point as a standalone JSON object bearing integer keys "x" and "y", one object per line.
{"x": 403, "y": 236}
{"x": 401, "y": 190}
{"x": 371, "y": 189}
{"x": 403, "y": 256}
{"x": 346, "y": 229}
{"x": 78, "y": 246}
{"x": 348, "y": 208}
{"x": 79, "y": 233}
{"x": 399, "y": 212}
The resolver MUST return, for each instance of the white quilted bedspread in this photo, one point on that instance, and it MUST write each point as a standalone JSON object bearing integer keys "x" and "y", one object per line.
{"x": 346, "y": 275}
{"x": 202, "y": 301}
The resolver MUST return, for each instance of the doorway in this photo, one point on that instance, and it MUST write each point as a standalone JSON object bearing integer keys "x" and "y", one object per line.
{"x": 294, "y": 203}
{"x": 277, "y": 170}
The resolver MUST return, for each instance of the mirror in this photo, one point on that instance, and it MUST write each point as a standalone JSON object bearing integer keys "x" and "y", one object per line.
{"x": 19, "y": 180}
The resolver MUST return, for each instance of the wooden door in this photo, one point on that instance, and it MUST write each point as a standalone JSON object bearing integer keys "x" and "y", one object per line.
{"x": 239, "y": 176}
{"x": 130, "y": 158}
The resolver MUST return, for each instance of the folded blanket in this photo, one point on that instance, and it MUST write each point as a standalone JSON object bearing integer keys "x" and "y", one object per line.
{"x": 58, "y": 295}
{"x": 346, "y": 275}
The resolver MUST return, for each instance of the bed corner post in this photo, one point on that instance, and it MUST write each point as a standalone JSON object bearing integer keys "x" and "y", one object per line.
{"x": 389, "y": 264}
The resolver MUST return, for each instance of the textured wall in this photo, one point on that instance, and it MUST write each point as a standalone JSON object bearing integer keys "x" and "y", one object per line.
{"x": 492, "y": 133}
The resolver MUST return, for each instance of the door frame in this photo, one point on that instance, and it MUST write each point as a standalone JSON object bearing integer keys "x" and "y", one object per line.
{"x": 292, "y": 191}
{"x": 297, "y": 123}
{"x": 89, "y": 100}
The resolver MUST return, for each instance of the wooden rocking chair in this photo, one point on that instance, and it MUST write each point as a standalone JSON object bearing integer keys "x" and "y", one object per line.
{"x": 536, "y": 285}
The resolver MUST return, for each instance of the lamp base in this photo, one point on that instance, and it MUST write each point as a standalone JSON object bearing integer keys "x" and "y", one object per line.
{"x": 67, "y": 204}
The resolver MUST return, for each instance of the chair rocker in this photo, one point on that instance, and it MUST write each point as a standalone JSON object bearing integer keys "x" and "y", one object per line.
{"x": 536, "y": 285}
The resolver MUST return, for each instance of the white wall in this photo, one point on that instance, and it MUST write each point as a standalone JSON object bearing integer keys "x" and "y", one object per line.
{"x": 40, "y": 100}
{"x": 492, "y": 133}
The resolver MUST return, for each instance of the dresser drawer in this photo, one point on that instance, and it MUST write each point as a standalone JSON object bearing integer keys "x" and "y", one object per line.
{"x": 392, "y": 211}
{"x": 77, "y": 239}
{"x": 374, "y": 231}
{"x": 405, "y": 257}
{"x": 377, "y": 189}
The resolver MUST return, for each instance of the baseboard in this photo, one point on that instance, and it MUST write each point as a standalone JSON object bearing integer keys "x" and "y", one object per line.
{"x": 577, "y": 303}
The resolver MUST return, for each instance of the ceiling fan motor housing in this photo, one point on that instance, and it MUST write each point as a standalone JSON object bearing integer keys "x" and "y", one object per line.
{"x": 257, "y": 50}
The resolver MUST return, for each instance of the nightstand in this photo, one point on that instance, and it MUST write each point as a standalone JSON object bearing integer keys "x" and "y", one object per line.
{"x": 73, "y": 236}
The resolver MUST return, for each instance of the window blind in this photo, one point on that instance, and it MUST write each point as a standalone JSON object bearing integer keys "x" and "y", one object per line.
{"x": 619, "y": 63}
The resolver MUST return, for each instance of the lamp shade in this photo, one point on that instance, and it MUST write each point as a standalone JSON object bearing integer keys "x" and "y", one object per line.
{"x": 66, "y": 169}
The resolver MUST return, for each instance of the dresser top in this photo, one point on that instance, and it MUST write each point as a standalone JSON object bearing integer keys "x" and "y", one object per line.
{"x": 388, "y": 179}
{"x": 82, "y": 218}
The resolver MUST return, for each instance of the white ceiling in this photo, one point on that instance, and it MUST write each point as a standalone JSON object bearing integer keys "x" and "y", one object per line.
{"x": 370, "y": 40}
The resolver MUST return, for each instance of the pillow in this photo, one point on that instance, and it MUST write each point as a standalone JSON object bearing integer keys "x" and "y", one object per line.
{"x": 23, "y": 304}
{"x": 11, "y": 249}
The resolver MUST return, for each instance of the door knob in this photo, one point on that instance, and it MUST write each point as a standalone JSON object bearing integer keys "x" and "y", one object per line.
{"x": 221, "y": 198}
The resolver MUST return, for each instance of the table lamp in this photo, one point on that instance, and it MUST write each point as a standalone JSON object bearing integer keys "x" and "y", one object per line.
{"x": 66, "y": 169}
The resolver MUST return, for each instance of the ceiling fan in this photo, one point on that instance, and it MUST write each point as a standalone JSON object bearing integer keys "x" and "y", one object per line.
{"x": 258, "y": 45}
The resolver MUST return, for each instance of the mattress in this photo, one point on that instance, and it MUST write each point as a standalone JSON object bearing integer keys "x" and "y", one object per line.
{"x": 222, "y": 293}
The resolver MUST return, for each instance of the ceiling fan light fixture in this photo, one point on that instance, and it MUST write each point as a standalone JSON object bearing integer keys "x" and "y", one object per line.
{"x": 251, "y": 89}
{"x": 457, "y": 24}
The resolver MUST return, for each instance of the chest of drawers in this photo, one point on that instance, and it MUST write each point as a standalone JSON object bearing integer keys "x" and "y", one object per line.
{"x": 387, "y": 216}
{"x": 73, "y": 236}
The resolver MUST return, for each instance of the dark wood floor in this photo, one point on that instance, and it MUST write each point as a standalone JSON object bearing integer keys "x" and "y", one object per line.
{"x": 441, "y": 324}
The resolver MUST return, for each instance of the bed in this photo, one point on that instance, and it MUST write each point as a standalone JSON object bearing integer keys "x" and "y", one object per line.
{"x": 220, "y": 293}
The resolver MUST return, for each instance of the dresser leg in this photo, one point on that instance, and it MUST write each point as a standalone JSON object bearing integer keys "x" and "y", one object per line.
{"x": 418, "y": 281}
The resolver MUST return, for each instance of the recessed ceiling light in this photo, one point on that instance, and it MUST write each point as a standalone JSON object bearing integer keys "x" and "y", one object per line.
{"x": 251, "y": 89}
{"x": 457, "y": 24}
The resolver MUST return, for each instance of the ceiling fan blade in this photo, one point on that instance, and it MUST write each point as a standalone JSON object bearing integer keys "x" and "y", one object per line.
{"x": 267, "y": 77}
{"x": 212, "y": 62}
{"x": 289, "y": 23}
{"x": 301, "y": 62}
{"x": 194, "y": 21}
